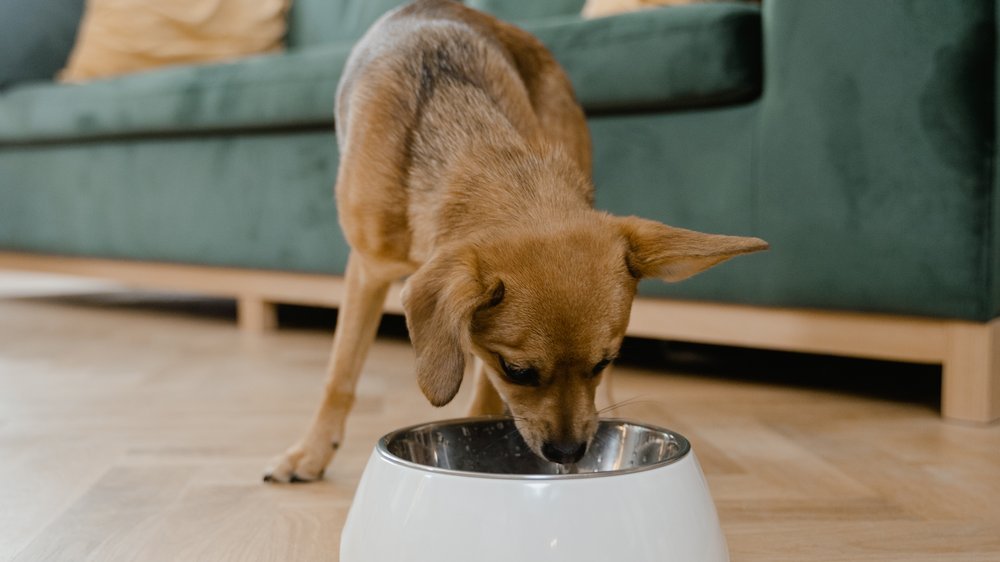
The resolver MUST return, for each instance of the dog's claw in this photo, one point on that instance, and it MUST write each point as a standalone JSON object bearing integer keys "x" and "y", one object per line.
{"x": 298, "y": 466}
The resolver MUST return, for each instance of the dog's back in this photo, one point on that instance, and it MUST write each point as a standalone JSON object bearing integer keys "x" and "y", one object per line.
{"x": 438, "y": 43}
{"x": 428, "y": 83}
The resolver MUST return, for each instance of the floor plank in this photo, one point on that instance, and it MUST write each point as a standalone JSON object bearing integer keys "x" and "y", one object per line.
{"x": 136, "y": 427}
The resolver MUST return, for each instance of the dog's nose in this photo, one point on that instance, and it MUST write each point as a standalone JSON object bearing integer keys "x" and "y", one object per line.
{"x": 564, "y": 453}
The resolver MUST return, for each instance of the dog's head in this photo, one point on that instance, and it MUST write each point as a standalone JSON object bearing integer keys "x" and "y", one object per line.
{"x": 546, "y": 311}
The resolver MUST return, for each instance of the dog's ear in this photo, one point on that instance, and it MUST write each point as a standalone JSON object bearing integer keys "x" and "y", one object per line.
{"x": 673, "y": 254}
{"x": 439, "y": 301}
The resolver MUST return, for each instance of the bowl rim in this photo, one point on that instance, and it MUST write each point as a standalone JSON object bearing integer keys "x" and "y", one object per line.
{"x": 382, "y": 449}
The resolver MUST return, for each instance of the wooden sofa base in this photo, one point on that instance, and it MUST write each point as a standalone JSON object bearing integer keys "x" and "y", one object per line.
{"x": 969, "y": 352}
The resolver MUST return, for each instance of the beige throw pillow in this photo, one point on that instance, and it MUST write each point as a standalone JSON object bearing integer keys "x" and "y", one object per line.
{"x": 121, "y": 36}
{"x": 601, "y": 8}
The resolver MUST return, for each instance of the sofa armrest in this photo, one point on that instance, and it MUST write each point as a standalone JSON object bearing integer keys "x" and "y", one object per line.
{"x": 877, "y": 150}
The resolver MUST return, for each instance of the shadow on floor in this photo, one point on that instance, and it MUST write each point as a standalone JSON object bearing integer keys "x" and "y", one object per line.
{"x": 884, "y": 380}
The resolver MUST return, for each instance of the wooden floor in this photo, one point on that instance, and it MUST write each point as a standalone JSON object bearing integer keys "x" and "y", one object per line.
{"x": 138, "y": 431}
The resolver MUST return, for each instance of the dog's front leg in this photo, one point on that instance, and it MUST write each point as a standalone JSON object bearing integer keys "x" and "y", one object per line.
{"x": 357, "y": 323}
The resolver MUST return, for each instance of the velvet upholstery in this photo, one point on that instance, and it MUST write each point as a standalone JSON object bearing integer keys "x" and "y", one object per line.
{"x": 265, "y": 200}
{"x": 528, "y": 10}
{"x": 36, "y": 38}
{"x": 692, "y": 170}
{"x": 993, "y": 239}
{"x": 683, "y": 56}
{"x": 270, "y": 91}
{"x": 258, "y": 200}
{"x": 867, "y": 161}
{"x": 877, "y": 149}
{"x": 317, "y": 22}
{"x": 703, "y": 57}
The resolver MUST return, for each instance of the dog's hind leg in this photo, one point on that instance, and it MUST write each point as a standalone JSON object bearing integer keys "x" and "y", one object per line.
{"x": 485, "y": 399}
{"x": 357, "y": 322}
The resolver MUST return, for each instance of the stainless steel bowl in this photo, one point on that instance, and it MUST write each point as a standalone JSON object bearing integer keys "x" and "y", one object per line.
{"x": 492, "y": 447}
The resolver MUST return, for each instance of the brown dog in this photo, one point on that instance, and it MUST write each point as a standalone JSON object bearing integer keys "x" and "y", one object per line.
{"x": 465, "y": 161}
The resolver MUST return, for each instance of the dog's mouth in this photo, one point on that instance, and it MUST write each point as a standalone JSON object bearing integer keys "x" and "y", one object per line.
{"x": 566, "y": 453}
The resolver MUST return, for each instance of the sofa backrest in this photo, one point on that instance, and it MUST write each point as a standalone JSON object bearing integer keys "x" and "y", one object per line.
{"x": 38, "y": 34}
{"x": 526, "y": 10}
{"x": 36, "y": 38}
{"x": 315, "y": 22}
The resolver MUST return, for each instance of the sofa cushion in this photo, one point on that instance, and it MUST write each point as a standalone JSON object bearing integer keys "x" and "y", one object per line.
{"x": 679, "y": 56}
{"x": 697, "y": 55}
{"x": 268, "y": 91}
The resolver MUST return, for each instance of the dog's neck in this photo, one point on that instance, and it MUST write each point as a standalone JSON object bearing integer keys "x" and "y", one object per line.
{"x": 506, "y": 184}
{"x": 512, "y": 187}
{"x": 477, "y": 169}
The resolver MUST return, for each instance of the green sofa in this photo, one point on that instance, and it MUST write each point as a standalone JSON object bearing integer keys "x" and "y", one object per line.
{"x": 857, "y": 137}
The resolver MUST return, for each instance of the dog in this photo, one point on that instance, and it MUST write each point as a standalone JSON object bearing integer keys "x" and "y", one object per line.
{"x": 465, "y": 165}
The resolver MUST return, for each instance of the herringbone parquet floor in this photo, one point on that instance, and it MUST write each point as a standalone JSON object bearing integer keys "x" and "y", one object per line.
{"x": 138, "y": 432}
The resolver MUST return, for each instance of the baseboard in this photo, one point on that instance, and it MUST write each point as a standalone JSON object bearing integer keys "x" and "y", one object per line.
{"x": 966, "y": 349}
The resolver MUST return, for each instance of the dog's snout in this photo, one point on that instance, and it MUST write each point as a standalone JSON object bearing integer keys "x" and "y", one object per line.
{"x": 564, "y": 453}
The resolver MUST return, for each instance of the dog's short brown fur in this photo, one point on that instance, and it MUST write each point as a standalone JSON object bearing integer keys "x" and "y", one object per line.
{"x": 465, "y": 163}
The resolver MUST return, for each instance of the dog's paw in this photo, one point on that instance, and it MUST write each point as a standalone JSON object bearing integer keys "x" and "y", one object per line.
{"x": 301, "y": 463}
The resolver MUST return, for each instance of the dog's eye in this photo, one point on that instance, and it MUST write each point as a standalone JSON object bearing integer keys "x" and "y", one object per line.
{"x": 524, "y": 376}
{"x": 600, "y": 367}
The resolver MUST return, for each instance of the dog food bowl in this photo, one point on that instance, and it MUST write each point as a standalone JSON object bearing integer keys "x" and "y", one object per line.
{"x": 470, "y": 490}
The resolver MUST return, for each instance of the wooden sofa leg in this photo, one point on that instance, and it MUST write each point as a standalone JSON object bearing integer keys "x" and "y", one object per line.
{"x": 971, "y": 374}
{"x": 255, "y": 315}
